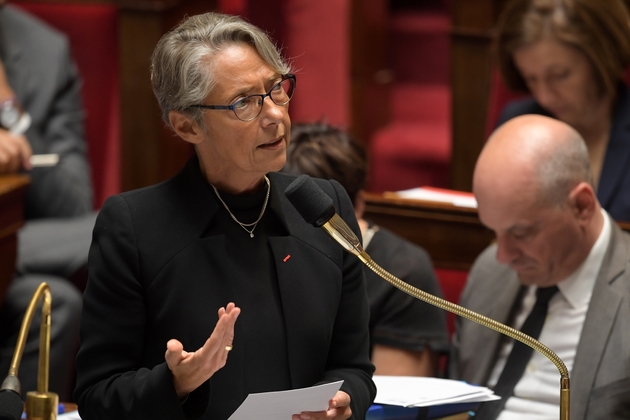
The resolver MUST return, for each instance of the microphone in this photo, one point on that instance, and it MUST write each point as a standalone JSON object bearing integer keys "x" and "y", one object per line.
{"x": 40, "y": 404}
{"x": 317, "y": 208}
{"x": 11, "y": 404}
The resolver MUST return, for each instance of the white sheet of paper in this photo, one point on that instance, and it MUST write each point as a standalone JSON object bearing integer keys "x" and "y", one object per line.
{"x": 416, "y": 391}
{"x": 50, "y": 159}
{"x": 282, "y": 405}
{"x": 71, "y": 415}
{"x": 429, "y": 194}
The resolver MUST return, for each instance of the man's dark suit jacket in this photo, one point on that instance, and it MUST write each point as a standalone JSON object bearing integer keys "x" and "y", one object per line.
{"x": 39, "y": 69}
{"x": 154, "y": 276}
{"x": 43, "y": 76}
{"x": 613, "y": 190}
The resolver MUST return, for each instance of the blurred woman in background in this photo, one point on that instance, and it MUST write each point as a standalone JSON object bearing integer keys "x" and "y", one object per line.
{"x": 406, "y": 335}
{"x": 571, "y": 56}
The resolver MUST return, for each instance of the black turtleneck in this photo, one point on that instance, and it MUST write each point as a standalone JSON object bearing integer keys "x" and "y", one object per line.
{"x": 260, "y": 332}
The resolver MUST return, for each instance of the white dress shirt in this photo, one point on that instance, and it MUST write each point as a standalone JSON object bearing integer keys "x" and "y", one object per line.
{"x": 537, "y": 394}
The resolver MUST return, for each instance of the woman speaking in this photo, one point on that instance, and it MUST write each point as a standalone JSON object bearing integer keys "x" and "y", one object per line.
{"x": 220, "y": 236}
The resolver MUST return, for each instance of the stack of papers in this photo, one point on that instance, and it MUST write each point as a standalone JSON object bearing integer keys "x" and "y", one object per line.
{"x": 416, "y": 391}
{"x": 456, "y": 198}
{"x": 71, "y": 415}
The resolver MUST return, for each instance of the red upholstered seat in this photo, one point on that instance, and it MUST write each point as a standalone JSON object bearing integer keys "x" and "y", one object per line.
{"x": 414, "y": 148}
{"x": 452, "y": 283}
{"x": 93, "y": 33}
{"x": 419, "y": 46}
{"x": 408, "y": 155}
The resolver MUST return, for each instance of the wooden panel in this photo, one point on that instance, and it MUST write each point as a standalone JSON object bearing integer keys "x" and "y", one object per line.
{"x": 473, "y": 21}
{"x": 141, "y": 132}
{"x": 369, "y": 74}
{"x": 150, "y": 151}
{"x": 12, "y": 189}
{"x": 453, "y": 236}
{"x": 471, "y": 87}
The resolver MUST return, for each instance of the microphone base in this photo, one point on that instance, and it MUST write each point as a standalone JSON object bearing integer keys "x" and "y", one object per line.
{"x": 41, "y": 405}
{"x": 565, "y": 398}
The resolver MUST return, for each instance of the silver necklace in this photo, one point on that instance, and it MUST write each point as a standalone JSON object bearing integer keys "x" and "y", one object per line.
{"x": 262, "y": 211}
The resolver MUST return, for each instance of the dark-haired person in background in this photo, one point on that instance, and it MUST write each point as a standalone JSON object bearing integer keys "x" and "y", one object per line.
{"x": 572, "y": 55}
{"x": 406, "y": 335}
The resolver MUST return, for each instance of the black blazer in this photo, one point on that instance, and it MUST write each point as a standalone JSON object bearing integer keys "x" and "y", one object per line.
{"x": 153, "y": 271}
{"x": 613, "y": 190}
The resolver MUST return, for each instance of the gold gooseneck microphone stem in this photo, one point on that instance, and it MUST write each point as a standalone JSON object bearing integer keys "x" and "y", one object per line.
{"x": 40, "y": 404}
{"x": 337, "y": 228}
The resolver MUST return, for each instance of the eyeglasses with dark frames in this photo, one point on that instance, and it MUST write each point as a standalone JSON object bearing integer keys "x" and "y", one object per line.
{"x": 249, "y": 107}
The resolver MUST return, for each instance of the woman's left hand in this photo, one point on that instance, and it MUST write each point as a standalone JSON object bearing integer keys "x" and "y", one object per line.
{"x": 191, "y": 369}
{"x": 338, "y": 408}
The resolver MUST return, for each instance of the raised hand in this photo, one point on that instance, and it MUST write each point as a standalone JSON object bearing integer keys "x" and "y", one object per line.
{"x": 191, "y": 369}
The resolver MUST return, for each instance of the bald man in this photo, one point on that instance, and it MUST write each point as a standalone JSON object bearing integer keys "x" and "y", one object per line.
{"x": 534, "y": 189}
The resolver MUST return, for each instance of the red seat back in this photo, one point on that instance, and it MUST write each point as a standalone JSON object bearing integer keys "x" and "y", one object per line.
{"x": 452, "y": 283}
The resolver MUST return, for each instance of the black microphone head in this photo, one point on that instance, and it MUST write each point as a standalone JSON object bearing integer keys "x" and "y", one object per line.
{"x": 315, "y": 206}
{"x": 11, "y": 405}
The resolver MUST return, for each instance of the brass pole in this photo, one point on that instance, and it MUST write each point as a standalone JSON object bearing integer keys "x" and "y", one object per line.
{"x": 40, "y": 404}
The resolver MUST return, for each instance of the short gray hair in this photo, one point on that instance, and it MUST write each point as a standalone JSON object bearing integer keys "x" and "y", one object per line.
{"x": 180, "y": 75}
{"x": 563, "y": 167}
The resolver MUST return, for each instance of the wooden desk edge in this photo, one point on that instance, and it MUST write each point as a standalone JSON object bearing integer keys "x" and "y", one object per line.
{"x": 13, "y": 182}
{"x": 12, "y": 189}
{"x": 452, "y": 235}
{"x": 392, "y": 200}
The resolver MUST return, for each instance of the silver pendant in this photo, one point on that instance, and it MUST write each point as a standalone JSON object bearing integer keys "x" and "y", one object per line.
{"x": 251, "y": 234}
